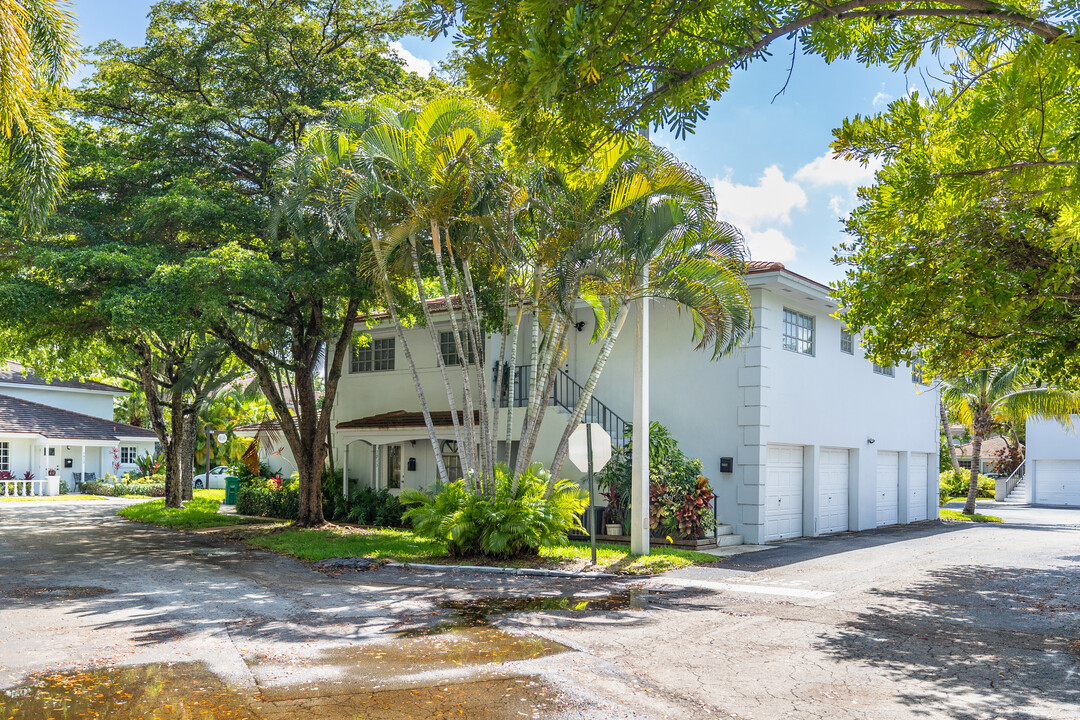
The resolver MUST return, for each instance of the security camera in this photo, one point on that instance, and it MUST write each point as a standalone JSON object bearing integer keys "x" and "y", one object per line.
{"x": 870, "y": 441}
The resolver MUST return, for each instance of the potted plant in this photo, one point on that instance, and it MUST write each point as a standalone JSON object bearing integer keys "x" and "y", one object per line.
{"x": 614, "y": 513}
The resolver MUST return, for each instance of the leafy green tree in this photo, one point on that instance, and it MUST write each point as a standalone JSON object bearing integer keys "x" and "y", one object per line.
{"x": 965, "y": 251}
{"x": 986, "y": 397}
{"x": 37, "y": 54}
{"x": 575, "y": 72}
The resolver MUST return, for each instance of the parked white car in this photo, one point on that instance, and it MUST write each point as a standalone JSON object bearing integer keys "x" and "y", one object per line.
{"x": 217, "y": 478}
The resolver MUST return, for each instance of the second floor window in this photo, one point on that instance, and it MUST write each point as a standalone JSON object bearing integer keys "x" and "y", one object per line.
{"x": 886, "y": 370}
{"x": 798, "y": 332}
{"x": 847, "y": 341}
{"x": 449, "y": 349}
{"x": 375, "y": 356}
{"x": 916, "y": 373}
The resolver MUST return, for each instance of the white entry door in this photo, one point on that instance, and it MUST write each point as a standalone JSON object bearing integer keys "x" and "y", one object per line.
{"x": 833, "y": 491}
{"x": 917, "y": 487}
{"x": 1057, "y": 482}
{"x": 888, "y": 488}
{"x": 783, "y": 492}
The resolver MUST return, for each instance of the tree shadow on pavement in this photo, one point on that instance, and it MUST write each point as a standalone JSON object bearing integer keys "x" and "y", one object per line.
{"x": 981, "y": 642}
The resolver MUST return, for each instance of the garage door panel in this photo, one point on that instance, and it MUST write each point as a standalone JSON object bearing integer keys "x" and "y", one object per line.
{"x": 888, "y": 488}
{"x": 783, "y": 492}
{"x": 917, "y": 491}
{"x": 832, "y": 491}
{"x": 1057, "y": 482}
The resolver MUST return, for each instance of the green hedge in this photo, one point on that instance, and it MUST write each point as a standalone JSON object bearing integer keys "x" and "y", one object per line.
{"x": 953, "y": 484}
{"x": 267, "y": 502}
{"x": 96, "y": 487}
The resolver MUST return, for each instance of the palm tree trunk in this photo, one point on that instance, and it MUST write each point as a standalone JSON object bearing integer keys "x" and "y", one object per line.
{"x": 973, "y": 483}
{"x": 949, "y": 438}
{"x": 476, "y": 339}
{"x": 617, "y": 323}
{"x": 513, "y": 381}
{"x": 388, "y": 295}
{"x": 435, "y": 342}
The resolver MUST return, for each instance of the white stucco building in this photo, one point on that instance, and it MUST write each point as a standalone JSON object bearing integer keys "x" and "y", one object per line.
{"x": 63, "y": 430}
{"x": 1053, "y": 463}
{"x": 818, "y": 439}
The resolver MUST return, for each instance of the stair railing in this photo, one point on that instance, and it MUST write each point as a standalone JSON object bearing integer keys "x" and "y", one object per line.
{"x": 1002, "y": 493}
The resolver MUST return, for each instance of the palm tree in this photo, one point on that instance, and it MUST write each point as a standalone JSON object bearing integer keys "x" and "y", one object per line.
{"x": 37, "y": 54}
{"x": 1002, "y": 394}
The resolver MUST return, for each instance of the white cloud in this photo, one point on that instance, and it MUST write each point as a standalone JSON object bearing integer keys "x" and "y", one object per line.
{"x": 838, "y": 205}
{"x": 882, "y": 99}
{"x": 770, "y": 244}
{"x": 414, "y": 64}
{"x": 828, "y": 170}
{"x": 770, "y": 201}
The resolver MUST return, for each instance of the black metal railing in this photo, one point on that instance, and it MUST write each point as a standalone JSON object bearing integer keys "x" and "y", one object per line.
{"x": 565, "y": 393}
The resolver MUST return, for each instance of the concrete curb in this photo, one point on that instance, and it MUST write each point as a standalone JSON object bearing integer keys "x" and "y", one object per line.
{"x": 536, "y": 572}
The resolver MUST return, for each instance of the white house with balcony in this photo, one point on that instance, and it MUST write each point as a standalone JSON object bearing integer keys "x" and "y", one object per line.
{"x": 799, "y": 433}
{"x": 62, "y": 431}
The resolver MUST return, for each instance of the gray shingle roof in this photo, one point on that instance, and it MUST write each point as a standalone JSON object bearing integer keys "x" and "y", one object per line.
{"x": 23, "y": 416}
{"x": 13, "y": 373}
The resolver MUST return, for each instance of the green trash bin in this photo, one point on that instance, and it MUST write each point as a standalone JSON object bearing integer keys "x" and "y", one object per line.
{"x": 232, "y": 487}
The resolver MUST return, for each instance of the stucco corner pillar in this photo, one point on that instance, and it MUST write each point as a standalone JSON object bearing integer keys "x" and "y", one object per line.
{"x": 811, "y": 483}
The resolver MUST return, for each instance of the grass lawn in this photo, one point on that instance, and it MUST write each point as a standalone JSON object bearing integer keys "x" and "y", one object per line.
{"x": 957, "y": 516}
{"x": 404, "y": 546}
{"x": 72, "y": 496}
{"x": 202, "y": 512}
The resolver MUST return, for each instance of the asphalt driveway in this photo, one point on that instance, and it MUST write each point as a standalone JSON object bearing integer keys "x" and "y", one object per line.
{"x": 932, "y": 620}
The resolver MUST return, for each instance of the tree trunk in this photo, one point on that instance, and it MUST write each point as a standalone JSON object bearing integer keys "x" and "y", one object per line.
{"x": 587, "y": 391}
{"x": 949, "y": 439}
{"x": 187, "y": 453}
{"x": 174, "y": 497}
{"x": 973, "y": 484}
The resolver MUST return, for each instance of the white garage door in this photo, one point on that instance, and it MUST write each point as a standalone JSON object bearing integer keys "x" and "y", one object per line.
{"x": 1057, "y": 482}
{"x": 783, "y": 492}
{"x": 888, "y": 488}
{"x": 917, "y": 487}
{"x": 833, "y": 491}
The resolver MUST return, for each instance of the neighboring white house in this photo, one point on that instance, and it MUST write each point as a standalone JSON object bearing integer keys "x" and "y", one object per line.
{"x": 63, "y": 429}
{"x": 1053, "y": 463}
{"x": 819, "y": 440}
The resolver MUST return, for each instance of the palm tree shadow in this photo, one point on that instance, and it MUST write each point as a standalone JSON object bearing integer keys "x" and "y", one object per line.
{"x": 979, "y": 642}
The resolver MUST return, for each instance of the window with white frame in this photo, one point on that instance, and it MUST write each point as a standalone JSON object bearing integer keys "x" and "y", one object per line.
{"x": 448, "y": 348}
{"x": 916, "y": 373}
{"x": 376, "y": 356}
{"x": 798, "y": 332}
{"x": 847, "y": 341}
{"x": 128, "y": 454}
{"x": 886, "y": 370}
{"x": 5, "y": 456}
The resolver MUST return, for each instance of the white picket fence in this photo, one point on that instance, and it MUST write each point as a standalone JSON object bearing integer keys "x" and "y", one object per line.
{"x": 29, "y": 488}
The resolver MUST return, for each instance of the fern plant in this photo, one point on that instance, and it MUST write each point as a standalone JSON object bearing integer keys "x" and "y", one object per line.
{"x": 515, "y": 518}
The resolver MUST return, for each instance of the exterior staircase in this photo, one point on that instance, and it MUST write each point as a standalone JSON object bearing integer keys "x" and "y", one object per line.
{"x": 564, "y": 396}
{"x": 1018, "y": 495}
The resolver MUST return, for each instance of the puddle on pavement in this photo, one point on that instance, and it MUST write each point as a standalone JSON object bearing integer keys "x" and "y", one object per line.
{"x": 64, "y": 592}
{"x": 478, "y": 611}
{"x": 191, "y": 692}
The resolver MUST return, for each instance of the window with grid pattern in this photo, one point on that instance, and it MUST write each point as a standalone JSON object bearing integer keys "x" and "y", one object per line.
{"x": 5, "y": 456}
{"x": 375, "y": 356}
{"x": 916, "y": 373}
{"x": 449, "y": 349}
{"x": 886, "y": 370}
{"x": 798, "y": 332}
{"x": 128, "y": 454}
{"x": 847, "y": 341}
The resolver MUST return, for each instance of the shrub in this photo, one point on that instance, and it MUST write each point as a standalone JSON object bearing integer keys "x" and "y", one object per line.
{"x": 517, "y": 517}
{"x": 953, "y": 484}
{"x": 680, "y": 498}
{"x": 98, "y": 487}
{"x": 278, "y": 502}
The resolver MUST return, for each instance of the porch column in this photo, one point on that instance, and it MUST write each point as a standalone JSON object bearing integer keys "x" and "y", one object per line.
{"x": 82, "y": 465}
{"x": 345, "y": 472}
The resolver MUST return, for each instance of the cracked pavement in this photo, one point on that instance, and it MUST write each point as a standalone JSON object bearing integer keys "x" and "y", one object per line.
{"x": 932, "y": 620}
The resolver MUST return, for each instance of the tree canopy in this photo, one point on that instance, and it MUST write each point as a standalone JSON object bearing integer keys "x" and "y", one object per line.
{"x": 573, "y": 73}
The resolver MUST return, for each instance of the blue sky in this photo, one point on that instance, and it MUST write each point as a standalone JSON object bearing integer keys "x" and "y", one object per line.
{"x": 769, "y": 160}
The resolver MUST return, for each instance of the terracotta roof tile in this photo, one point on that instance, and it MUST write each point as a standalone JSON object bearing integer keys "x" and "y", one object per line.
{"x": 401, "y": 419}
